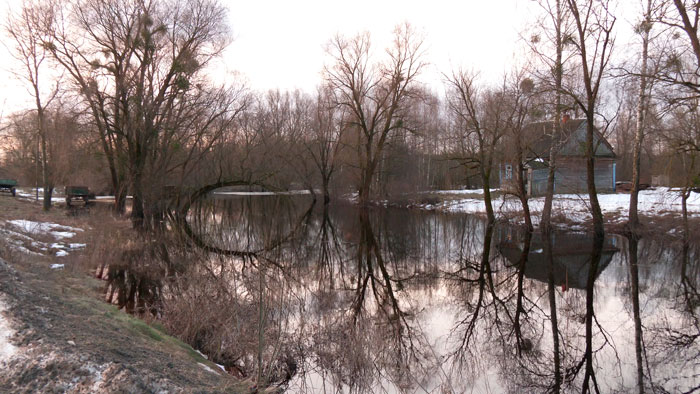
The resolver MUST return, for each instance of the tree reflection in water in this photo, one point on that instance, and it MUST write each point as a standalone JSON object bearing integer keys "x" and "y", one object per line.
{"x": 365, "y": 300}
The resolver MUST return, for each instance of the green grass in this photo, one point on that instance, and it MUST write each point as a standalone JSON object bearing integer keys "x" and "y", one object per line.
{"x": 154, "y": 332}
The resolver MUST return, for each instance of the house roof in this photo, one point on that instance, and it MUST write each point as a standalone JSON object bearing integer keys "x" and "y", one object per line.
{"x": 572, "y": 136}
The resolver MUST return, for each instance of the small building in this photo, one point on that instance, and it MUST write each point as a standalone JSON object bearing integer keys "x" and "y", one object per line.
{"x": 571, "y": 174}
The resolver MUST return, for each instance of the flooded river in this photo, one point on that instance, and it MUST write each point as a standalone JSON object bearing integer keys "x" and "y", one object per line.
{"x": 393, "y": 300}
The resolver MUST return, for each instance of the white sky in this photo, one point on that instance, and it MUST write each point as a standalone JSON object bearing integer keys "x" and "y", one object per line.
{"x": 280, "y": 44}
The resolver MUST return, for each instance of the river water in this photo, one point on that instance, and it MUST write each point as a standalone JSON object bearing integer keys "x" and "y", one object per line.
{"x": 395, "y": 300}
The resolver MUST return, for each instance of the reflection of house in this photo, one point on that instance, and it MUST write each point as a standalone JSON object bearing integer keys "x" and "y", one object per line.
{"x": 571, "y": 257}
{"x": 570, "y": 176}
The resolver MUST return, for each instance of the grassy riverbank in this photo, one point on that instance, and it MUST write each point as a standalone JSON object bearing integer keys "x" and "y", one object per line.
{"x": 56, "y": 332}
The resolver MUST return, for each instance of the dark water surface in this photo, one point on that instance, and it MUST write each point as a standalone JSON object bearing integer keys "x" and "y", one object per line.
{"x": 389, "y": 300}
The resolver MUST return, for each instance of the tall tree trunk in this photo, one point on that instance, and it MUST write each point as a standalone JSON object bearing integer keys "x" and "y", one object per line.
{"x": 545, "y": 222}
{"x": 641, "y": 112}
{"x": 596, "y": 212}
{"x": 365, "y": 186}
{"x": 114, "y": 173}
{"x": 45, "y": 171}
{"x": 45, "y": 176}
{"x": 138, "y": 211}
{"x": 522, "y": 193}
{"x": 684, "y": 207}
{"x": 487, "y": 195}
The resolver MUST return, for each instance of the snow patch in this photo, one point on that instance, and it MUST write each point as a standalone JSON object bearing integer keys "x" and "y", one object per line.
{"x": 206, "y": 368}
{"x": 576, "y": 207}
{"x": 37, "y": 228}
{"x": 7, "y": 350}
{"x": 57, "y": 266}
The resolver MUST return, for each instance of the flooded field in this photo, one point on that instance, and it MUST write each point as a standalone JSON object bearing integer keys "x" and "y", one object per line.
{"x": 343, "y": 299}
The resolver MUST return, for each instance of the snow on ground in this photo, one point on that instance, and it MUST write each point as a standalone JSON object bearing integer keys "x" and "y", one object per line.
{"x": 56, "y": 230}
{"x": 19, "y": 235}
{"x": 31, "y": 194}
{"x": 576, "y": 207}
{"x": 7, "y": 350}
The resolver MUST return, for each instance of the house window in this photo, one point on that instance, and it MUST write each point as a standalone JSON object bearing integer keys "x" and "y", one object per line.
{"x": 508, "y": 171}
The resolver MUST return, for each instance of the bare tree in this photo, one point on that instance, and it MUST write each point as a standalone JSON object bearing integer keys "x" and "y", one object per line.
{"x": 521, "y": 97}
{"x": 593, "y": 42}
{"x": 28, "y": 33}
{"x": 139, "y": 67}
{"x": 325, "y": 144}
{"x": 481, "y": 119}
{"x": 374, "y": 94}
{"x": 549, "y": 45}
{"x": 644, "y": 29}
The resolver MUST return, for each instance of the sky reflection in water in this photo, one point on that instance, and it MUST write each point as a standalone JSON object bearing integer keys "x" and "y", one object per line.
{"x": 411, "y": 301}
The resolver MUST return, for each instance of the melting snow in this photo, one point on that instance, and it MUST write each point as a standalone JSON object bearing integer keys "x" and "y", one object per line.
{"x": 56, "y": 230}
{"x": 206, "y": 368}
{"x": 576, "y": 207}
{"x": 21, "y": 242}
{"x": 7, "y": 350}
{"x": 57, "y": 266}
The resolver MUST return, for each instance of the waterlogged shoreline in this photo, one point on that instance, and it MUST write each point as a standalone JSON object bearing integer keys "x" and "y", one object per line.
{"x": 570, "y": 211}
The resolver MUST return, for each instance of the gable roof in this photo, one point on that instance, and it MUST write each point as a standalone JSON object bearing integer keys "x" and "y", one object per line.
{"x": 573, "y": 135}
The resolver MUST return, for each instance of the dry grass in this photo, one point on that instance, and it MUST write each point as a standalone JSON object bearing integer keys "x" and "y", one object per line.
{"x": 67, "y": 335}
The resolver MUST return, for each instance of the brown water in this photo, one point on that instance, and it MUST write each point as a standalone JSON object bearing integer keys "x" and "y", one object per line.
{"x": 389, "y": 300}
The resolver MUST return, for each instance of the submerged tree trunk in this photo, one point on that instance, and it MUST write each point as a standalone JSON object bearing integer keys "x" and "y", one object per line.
{"x": 589, "y": 374}
{"x": 551, "y": 292}
{"x": 634, "y": 292}
{"x": 326, "y": 189}
{"x": 519, "y": 302}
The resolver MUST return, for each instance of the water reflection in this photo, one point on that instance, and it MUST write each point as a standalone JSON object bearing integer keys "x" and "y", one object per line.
{"x": 570, "y": 257}
{"x": 379, "y": 300}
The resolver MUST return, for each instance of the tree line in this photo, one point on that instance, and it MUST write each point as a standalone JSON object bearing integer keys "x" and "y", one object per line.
{"x": 125, "y": 100}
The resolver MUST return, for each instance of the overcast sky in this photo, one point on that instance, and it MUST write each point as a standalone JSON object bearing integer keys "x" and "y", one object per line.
{"x": 281, "y": 44}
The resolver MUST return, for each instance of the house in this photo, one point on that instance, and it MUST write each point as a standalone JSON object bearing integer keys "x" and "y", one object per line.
{"x": 570, "y": 175}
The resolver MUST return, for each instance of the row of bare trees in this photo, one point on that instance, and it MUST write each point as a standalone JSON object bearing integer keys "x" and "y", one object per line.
{"x": 137, "y": 75}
